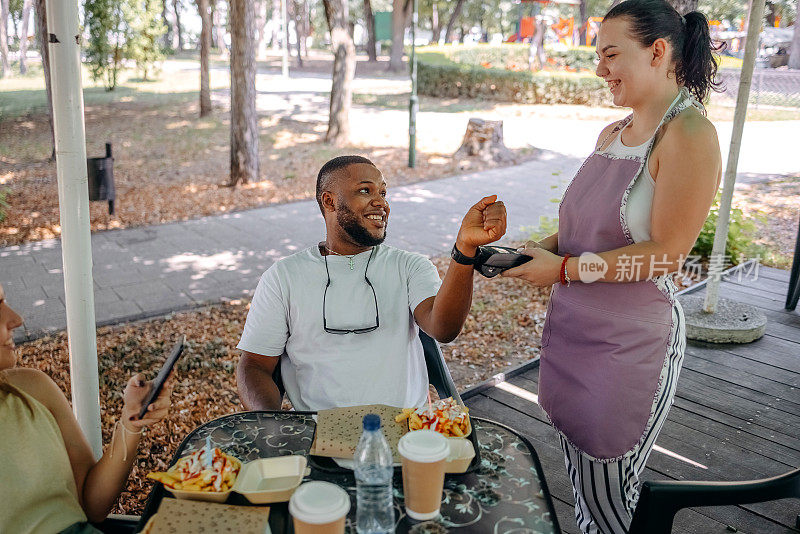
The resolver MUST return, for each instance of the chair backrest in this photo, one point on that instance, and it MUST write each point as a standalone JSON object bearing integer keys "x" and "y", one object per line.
{"x": 659, "y": 501}
{"x": 438, "y": 374}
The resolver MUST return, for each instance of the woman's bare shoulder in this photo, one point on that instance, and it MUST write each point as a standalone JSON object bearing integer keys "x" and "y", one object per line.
{"x": 691, "y": 130}
{"x": 605, "y": 132}
{"x": 37, "y": 384}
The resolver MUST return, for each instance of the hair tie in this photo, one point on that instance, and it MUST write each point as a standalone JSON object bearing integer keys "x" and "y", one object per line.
{"x": 683, "y": 20}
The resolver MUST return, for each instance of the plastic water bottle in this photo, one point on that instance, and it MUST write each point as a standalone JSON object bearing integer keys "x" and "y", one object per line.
{"x": 373, "y": 470}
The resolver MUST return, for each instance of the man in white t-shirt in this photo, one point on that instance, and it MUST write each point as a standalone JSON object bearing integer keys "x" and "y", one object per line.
{"x": 345, "y": 313}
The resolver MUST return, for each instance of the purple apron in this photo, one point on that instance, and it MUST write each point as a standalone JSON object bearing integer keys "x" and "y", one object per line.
{"x": 604, "y": 344}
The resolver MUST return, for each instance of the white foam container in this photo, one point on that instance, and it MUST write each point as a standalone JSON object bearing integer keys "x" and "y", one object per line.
{"x": 461, "y": 454}
{"x": 269, "y": 480}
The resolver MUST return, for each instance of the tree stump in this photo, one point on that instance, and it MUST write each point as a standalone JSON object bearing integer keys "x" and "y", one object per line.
{"x": 485, "y": 140}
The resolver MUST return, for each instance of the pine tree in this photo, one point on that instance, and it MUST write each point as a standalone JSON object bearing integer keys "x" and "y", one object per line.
{"x": 145, "y": 29}
{"x": 122, "y": 30}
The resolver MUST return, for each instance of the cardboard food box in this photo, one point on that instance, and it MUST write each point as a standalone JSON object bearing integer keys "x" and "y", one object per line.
{"x": 190, "y": 517}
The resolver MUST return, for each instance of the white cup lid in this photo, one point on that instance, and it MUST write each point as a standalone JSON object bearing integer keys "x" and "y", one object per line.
{"x": 319, "y": 502}
{"x": 426, "y": 446}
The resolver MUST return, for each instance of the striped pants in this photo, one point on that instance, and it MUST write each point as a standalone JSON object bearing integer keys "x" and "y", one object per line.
{"x": 606, "y": 492}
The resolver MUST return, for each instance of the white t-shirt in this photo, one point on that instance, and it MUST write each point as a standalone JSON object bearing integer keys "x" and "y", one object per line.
{"x": 325, "y": 370}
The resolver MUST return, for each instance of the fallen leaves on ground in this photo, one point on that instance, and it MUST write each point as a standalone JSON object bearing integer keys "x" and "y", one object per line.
{"x": 170, "y": 165}
{"x": 774, "y": 206}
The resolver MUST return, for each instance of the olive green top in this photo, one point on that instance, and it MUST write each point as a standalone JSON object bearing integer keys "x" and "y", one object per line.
{"x": 37, "y": 486}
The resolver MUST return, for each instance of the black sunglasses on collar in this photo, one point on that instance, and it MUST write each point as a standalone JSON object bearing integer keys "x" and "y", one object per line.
{"x": 325, "y": 294}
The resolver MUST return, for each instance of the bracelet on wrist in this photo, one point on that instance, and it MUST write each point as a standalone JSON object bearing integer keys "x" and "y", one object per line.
{"x": 563, "y": 275}
{"x": 125, "y": 432}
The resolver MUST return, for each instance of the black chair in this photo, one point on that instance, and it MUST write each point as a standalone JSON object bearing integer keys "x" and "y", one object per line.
{"x": 438, "y": 373}
{"x": 659, "y": 501}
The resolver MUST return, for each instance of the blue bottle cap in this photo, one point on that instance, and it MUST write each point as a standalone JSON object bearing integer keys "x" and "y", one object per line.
{"x": 372, "y": 422}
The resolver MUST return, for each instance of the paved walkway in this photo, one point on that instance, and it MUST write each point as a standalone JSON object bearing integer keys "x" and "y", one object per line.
{"x": 149, "y": 271}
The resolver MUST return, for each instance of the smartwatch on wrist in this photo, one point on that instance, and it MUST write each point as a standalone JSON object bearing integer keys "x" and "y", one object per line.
{"x": 461, "y": 258}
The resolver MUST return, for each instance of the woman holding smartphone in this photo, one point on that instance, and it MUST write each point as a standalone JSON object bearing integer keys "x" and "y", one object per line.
{"x": 49, "y": 478}
{"x": 614, "y": 337}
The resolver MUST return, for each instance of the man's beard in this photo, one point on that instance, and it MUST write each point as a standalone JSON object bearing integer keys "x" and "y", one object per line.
{"x": 348, "y": 220}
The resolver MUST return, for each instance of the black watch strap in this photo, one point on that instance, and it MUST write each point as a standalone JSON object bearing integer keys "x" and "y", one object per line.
{"x": 461, "y": 258}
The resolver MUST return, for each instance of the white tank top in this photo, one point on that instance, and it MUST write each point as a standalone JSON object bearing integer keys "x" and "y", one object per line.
{"x": 640, "y": 199}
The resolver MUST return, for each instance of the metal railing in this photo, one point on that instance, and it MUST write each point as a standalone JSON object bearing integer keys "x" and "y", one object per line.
{"x": 770, "y": 88}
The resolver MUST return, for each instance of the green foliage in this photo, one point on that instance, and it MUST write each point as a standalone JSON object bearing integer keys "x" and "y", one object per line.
{"x": 515, "y": 57}
{"x": 3, "y": 203}
{"x": 122, "y": 30}
{"x": 547, "y": 227}
{"x": 103, "y": 21}
{"x": 455, "y": 80}
{"x": 146, "y": 28}
{"x": 453, "y": 72}
{"x": 731, "y": 10}
{"x": 580, "y": 58}
{"x": 741, "y": 232}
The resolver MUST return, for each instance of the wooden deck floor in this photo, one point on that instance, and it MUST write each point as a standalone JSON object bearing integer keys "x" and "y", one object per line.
{"x": 736, "y": 416}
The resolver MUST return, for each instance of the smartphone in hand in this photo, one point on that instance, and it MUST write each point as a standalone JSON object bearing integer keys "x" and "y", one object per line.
{"x": 163, "y": 374}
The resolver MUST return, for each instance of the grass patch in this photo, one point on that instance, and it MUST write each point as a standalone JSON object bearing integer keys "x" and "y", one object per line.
{"x": 24, "y": 95}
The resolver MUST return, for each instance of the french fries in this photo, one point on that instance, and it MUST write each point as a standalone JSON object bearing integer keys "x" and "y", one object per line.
{"x": 191, "y": 473}
{"x": 444, "y": 416}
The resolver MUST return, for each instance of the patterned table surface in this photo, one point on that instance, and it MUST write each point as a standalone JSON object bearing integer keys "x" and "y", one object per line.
{"x": 506, "y": 494}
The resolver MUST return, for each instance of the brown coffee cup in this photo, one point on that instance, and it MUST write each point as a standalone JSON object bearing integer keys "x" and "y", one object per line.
{"x": 319, "y": 508}
{"x": 423, "y": 454}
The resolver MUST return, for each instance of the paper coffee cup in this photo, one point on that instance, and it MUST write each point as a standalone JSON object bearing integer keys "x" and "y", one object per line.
{"x": 319, "y": 508}
{"x": 423, "y": 454}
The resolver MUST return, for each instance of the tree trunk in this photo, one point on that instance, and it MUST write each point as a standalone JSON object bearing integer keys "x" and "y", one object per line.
{"x": 4, "y": 66}
{"x": 244, "y": 119}
{"x": 794, "y": 57}
{"x": 42, "y": 38}
{"x": 276, "y": 25}
{"x": 23, "y": 39}
{"x": 14, "y": 23}
{"x": 536, "y": 53}
{"x": 484, "y": 139}
{"x": 436, "y": 28}
{"x": 305, "y": 28}
{"x": 584, "y": 14}
{"x": 166, "y": 39}
{"x": 205, "y": 50}
{"x": 344, "y": 68}
{"x": 176, "y": 6}
{"x": 369, "y": 20}
{"x": 770, "y": 13}
{"x": 684, "y": 6}
{"x": 401, "y": 11}
{"x": 297, "y": 11}
{"x": 452, "y": 22}
{"x": 285, "y": 34}
{"x": 219, "y": 32}
{"x": 261, "y": 21}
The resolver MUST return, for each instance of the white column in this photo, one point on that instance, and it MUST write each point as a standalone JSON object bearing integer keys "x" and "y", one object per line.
{"x": 73, "y": 201}
{"x": 739, "y": 116}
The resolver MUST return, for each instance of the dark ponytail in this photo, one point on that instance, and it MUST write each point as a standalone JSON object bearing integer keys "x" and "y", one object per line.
{"x": 695, "y": 66}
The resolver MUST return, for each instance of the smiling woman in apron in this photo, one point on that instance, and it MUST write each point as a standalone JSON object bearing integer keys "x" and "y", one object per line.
{"x": 614, "y": 337}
